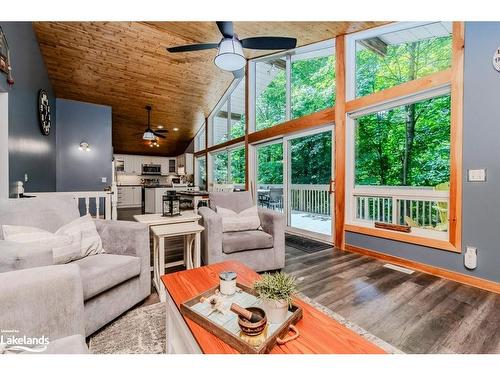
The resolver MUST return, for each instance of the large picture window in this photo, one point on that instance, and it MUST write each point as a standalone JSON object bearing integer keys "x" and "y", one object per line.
{"x": 199, "y": 140}
{"x": 392, "y": 58}
{"x": 313, "y": 82}
{"x": 228, "y": 167}
{"x": 402, "y": 166}
{"x": 229, "y": 120}
{"x": 294, "y": 84}
{"x": 270, "y": 92}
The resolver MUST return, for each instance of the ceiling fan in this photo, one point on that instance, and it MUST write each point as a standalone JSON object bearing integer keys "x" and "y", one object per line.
{"x": 149, "y": 134}
{"x": 230, "y": 56}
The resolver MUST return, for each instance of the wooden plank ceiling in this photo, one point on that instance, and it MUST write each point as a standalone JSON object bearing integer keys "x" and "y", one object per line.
{"x": 125, "y": 65}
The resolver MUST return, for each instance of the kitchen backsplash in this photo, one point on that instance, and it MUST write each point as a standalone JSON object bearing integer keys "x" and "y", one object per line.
{"x": 127, "y": 179}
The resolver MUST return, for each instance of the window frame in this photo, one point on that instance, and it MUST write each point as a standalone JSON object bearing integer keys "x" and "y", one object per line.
{"x": 210, "y": 158}
{"x": 373, "y": 32}
{"x": 450, "y": 79}
{"x": 323, "y": 45}
{"x": 352, "y": 191}
{"x": 226, "y": 98}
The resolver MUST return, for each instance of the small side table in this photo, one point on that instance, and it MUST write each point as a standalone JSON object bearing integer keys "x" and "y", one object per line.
{"x": 192, "y": 253}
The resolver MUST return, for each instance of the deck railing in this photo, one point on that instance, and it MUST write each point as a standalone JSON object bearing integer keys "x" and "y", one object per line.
{"x": 418, "y": 207}
{"x": 100, "y": 204}
{"x": 303, "y": 198}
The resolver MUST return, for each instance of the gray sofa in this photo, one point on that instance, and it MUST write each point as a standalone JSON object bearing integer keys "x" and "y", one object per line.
{"x": 261, "y": 250}
{"x": 73, "y": 300}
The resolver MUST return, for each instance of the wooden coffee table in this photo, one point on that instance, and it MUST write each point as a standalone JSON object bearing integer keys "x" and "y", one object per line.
{"x": 318, "y": 332}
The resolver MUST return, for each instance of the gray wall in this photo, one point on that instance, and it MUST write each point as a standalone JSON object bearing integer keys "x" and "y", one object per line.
{"x": 29, "y": 151}
{"x": 83, "y": 122}
{"x": 481, "y": 201}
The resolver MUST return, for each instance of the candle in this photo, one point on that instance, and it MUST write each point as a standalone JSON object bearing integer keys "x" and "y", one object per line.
{"x": 227, "y": 282}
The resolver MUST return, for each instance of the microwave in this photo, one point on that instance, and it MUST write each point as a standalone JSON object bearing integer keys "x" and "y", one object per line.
{"x": 151, "y": 169}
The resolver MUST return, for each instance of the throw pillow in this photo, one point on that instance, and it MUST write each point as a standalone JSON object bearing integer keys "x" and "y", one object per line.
{"x": 247, "y": 219}
{"x": 65, "y": 248}
{"x": 91, "y": 243}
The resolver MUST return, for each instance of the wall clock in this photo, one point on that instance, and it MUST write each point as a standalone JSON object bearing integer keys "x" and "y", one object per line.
{"x": 44, "y": 112}
{"x": 496, "y": 60}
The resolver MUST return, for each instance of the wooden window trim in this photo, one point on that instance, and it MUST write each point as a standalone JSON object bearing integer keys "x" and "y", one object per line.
{"x": 454, "y": 78}
{"x": 340, "y": 145}
{"x": 313, "y": 120}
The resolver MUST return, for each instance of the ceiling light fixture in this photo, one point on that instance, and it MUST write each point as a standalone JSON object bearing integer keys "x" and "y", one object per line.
{"x": 175, "y": 129}
{"x": 84, "y": 146}
{"x": 230, "y": 55}
{"x": 148, "y": 136}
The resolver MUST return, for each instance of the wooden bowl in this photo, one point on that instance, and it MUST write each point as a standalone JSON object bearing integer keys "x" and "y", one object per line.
{"x": 253, "y": 329}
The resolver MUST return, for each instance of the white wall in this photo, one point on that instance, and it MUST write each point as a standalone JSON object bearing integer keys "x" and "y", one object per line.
{"x": 4, "y": 145}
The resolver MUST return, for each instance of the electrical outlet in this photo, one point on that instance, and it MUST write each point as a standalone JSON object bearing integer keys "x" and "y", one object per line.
{"x": 470, "y": 257}
{"x": 26, "y": 177}
{"x": 476, "y": 175}
{"x": 104, "y": 179}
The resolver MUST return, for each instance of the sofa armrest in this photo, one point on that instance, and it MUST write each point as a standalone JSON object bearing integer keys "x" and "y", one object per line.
{"x": 128, "y": 238}
{"x": 42, "y": 301}
{"x": 211, "y": 244}
{"x": 16, "y": 256}
{"x": 273, "y": 223}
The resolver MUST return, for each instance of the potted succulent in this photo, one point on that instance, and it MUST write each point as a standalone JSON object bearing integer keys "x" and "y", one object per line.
{"x": 276, "y": 292}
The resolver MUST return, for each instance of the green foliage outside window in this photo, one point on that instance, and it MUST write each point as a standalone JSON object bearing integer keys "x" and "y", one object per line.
{"x": 402, "y": 63}
{"x": 313, "y": 85}
{"x": 270, "y": 164}
{"x": 404, "y": 146}
{"x": 238, "y": 166}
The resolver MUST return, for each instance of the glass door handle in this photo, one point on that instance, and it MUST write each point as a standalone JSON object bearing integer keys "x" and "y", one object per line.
{"x": 332, "y": 187}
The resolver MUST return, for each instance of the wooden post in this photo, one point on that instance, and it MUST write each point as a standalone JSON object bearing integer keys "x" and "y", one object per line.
{"x": 457, "y": 93}
{"x": 340, "y": 139}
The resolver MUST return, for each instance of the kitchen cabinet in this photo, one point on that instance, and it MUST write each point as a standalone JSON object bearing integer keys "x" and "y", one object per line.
{"x": 133, "y": 164}
{"x": 129, "y": 196}
{"x": 185, "y": 163}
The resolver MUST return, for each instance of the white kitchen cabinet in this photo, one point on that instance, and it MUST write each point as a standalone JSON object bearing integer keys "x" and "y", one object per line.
{"x": 129, "y": 196}
{"x": 133, "y": 164}
{"x": 185, "y": 163}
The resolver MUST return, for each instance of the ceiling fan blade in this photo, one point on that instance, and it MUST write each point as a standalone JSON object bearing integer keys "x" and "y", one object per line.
{"x": 193, "y": 47}
{"x": 159, "y": 135}
{"x": 226, "y": 28}
{"x": 269, "y": 42}
{"x": 161, "y": 131}
{"x": 239, "y": 73}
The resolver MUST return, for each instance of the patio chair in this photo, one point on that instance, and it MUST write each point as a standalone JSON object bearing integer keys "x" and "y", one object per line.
{"x": 275, "y": 198}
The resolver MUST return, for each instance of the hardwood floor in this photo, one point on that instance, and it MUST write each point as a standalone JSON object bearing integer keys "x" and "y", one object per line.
{"x": 416, "y": 313}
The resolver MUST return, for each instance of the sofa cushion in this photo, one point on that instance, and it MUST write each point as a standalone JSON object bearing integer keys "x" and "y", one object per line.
{"x": 233, "y": 242}
{"x": 236, "y": 201}
{"x": 104, "y": 271}
{"x": 65, "y": 248}
{"x": 48, "y": 213}
{"x": 90, "y": 243}
{"x": 247, "y": 219}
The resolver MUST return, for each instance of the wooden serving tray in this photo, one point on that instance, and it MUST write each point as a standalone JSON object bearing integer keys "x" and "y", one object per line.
{"x": 262, "y": 344}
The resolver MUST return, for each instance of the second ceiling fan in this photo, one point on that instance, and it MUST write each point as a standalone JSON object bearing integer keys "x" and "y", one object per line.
{"x": 151, "y": 134}
{"x": 230, "y": 56}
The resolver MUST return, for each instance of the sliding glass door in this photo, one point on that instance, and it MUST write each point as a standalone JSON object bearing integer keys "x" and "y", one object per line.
{"x": 269, "y": 170}
{"x": 309, "y": 174}
{"x": 293, "y": 176}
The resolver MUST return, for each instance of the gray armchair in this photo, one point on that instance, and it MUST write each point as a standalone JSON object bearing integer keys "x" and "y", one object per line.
{"x": 44, "y": 302}
{"x": 261, "y": 250}
{"x": 109, "y": 284}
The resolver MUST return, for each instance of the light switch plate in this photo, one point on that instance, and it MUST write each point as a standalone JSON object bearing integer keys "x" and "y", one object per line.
{"x": 476, "y": 175}
{"x": 104, "y": 179}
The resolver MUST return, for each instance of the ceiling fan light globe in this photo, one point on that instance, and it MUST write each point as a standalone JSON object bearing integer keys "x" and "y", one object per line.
{"x": 148, "y": 136}
{"x": 230, "y": 55}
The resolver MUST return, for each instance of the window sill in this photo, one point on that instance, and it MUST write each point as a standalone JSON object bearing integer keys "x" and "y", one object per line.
{"x": 403, "y": 237}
